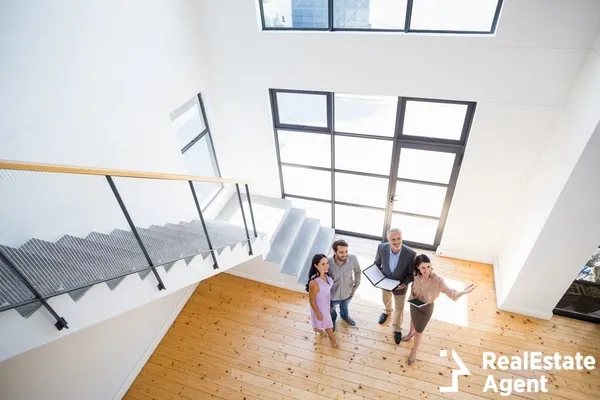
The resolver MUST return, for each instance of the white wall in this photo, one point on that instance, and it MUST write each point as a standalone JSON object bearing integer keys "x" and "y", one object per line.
{"x": 575, "y": 128}
{"x": 96, "y": 362}
{"x": 93, "y": 84}
{"x": 521, "y": 79}
{"x": 568, "y": 237}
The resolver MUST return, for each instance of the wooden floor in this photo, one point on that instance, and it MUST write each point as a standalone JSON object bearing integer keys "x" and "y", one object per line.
{"x": 239, "y": 339}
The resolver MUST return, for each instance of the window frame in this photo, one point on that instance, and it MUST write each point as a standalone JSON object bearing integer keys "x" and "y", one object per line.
{"x": 407, "y": 29}
{"x": 399, "y": 141}
{"x": 195, "y": 140}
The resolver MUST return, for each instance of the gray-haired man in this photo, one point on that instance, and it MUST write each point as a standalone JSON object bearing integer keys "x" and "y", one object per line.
{"x": 345, "y": 271}
{"x": 396, "y": 261}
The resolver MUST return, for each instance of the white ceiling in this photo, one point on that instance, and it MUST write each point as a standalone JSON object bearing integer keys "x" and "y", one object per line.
{"x": 535, "y": 57}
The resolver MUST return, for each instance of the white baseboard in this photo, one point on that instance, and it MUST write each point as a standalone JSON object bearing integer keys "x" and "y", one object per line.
{"x": 498, "y": 284}
{"x": 295, "y": 288}
{"x": 154, "y": 344}
{"x": 461, "y": 255}
{"x": 527, "y": 312}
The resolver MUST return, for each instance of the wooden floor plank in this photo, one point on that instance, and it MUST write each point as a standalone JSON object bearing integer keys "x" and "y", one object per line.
{"x": 240, "y": 339}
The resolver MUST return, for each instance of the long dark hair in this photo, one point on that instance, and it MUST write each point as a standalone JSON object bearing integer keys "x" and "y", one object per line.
{"x": 313, "y": 272}
{"x": 421, "y": 258}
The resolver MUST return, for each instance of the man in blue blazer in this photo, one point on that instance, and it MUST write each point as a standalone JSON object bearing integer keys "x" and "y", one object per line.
{"x": 396, "y": 261}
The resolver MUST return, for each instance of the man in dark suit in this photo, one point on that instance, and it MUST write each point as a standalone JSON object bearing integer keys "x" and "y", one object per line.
{"x": 396, "y": 261}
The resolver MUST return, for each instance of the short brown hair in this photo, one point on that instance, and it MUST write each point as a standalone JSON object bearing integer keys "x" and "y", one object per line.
{"x": 339, "y": 243}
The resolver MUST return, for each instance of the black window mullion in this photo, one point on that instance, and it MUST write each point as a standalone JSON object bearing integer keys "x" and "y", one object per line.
{"x": 304, "y": 129}
{"x": 400, "y": 108}
{"x": 426, "y": 183}
{"x": 496, "y": 16}
{"x": 331, "y": 124}
{"x": 409, "y": 6}
{"x": 468, "y": 123}
{"x": 207, "y": 132}
{"x": 275, "y": 118}
{"x": 330, "y": 16}
{"x": 424, "y": 216}
{"x": 194, "y": 141}
{"x": 304, "y": 166}
{"x": 262, "y": 14}
{"x": 313, "y": 129}
{"x": 448, "y": 199}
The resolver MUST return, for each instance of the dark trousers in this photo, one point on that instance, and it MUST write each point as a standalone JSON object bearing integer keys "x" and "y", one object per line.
{"x": 343, "y": 308}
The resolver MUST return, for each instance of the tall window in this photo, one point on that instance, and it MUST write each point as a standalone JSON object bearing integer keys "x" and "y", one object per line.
{"x": 193, "y": 134}
{"x": 362, "y": 164}
{"x": 408, "y": 16}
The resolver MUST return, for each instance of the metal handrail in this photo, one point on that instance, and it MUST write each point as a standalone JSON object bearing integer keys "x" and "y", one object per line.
{"x": 61, "y": 323}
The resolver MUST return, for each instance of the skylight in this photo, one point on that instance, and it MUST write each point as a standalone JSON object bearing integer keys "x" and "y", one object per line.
{"x": 408, "y": 16}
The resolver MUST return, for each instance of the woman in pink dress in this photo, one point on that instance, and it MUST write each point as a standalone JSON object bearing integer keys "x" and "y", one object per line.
{"x": 319, "y": 295}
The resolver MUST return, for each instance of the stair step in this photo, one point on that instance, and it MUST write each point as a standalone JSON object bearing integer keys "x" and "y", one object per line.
{"x": 87, "y": 267}
{"x": 90, "y": 268}
{"x": 124, "y": 260}
{"x": 13, "y": 291}
{"x": 125, "y": 240}
{"x": 160, "y": 252}
{"x": 195, "y": 240}
{"x": 227, "y": 233}
{"x": 278, "y": 228}
{"x": 29, "y": 309}
{"x": 286, "y": 235}
{"x": 80, "y": 270}
{"x": 220, "y": 237}
{"x": 197, "y": 236}
{"x": 321, "y": 245}
{"x": 48, "y": 276}
{"x": 292, "y": 262}
{"x": 187, "y": 245}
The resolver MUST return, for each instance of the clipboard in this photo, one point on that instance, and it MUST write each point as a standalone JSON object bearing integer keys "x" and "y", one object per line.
{"x": 375, "y": 276}
{"x": 417, "y": 303}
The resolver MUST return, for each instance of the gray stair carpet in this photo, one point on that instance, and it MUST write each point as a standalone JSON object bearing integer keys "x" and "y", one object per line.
{"x": 73, "y": 262}
{"x": 321, "y": 244}
{"x": 296, "y": 255}
{"x": 286, "y": 235}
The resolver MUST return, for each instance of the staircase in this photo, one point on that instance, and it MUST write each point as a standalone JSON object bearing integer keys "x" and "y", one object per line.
{"x": 294, "y": 239}
{"x": 75, "y": 256}
{"x": 73, "y": 265}
{"x": 81, "y": 245}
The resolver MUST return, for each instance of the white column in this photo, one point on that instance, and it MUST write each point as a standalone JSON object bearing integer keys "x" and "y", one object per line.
{"x": 557, "y": 227}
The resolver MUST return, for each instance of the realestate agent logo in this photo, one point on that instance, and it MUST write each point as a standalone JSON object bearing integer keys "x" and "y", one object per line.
{"x": 462, "y": 370}
{"x": 529, "y": 361}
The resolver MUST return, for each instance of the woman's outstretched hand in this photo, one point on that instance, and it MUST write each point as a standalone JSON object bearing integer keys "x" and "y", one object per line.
{"x": 469, "y": 288}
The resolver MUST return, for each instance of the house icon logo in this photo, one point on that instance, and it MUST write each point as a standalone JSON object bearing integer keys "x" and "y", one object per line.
{"x": 462, "y": 370}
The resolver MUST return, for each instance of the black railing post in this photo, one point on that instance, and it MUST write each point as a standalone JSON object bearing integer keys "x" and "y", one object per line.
{"x": 212, "y": 252}
{"x": 237, "y": 188}
{"x": 161, "y": 285}
{"x": 251, "y": 212}
{"x": 61, "y": 323}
